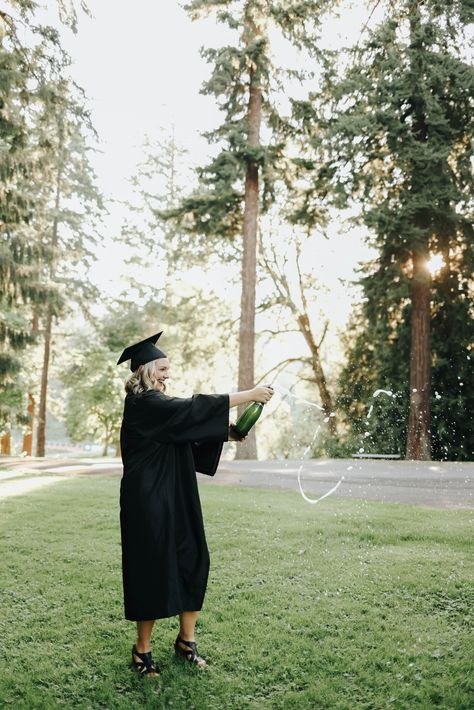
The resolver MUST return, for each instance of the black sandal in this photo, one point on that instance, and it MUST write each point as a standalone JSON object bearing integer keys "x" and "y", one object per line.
{"x": 146, "y": 665}
{"x": 190, "y": 653}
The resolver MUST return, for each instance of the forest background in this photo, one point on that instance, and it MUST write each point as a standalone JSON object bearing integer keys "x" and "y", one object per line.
{"x": 305, "y": 219}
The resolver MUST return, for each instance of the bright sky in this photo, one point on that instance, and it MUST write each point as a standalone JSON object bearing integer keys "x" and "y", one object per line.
{"x": 141, "y": 69}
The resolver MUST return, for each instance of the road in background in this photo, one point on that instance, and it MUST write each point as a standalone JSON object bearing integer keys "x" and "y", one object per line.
{"x": 430, "y": 483}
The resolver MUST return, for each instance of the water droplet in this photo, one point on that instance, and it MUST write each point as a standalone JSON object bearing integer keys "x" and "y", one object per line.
{"x": 389, "y": 393}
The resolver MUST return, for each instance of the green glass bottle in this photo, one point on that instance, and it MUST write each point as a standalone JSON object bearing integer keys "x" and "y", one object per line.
{"x": 248, "y": 418}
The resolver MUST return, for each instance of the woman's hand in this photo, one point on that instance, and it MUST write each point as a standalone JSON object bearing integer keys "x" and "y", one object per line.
{"x": 262, "y": 394}
{"x": 234, "y": 434}
{"x": 257, "y": 394}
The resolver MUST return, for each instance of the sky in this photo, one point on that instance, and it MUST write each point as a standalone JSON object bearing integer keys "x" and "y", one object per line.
{"x": 141, "y": 68}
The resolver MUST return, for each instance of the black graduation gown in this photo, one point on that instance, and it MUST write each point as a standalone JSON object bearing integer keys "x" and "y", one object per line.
{"x": 164, "y": 440}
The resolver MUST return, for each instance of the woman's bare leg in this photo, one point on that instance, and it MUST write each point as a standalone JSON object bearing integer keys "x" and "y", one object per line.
{"x": 144, "y": 629}
{"x": 187, "y": 625}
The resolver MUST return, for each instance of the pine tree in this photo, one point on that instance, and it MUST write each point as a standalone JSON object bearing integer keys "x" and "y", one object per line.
{"x": 23, "y": 75}
{"x": 67, "y": 212}
{"x": 158, "y": 184}
{"x": 36, "y": 132}
{"x": 238, "y": 184}
{"x": 403, "y": 121}
{"x": 163, "y": 286}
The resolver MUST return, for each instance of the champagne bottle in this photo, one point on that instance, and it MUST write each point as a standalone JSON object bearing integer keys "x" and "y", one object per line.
{"x": 248, "y": 418}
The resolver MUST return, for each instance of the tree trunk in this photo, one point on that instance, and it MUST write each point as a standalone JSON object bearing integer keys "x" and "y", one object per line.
{"x": 6, "y": 444}
{"x": 107, "y": 438}
{"x": 319, "y": 377}
{"x": 418, "y": 435}
{"x": 27, "y": 447}
{"x": 418, "y": 438}
{"x": 41, "y": 429}
{"x": 248, "y": 449}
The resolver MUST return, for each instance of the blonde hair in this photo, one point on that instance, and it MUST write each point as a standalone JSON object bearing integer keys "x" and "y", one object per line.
{"x": 143, "y": 379}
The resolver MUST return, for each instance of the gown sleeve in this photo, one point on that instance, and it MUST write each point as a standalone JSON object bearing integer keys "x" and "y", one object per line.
{"x": 206, "y": 457}
{"x": 202, "y": 418}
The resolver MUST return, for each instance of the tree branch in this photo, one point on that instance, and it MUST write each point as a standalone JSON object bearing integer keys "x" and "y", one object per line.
{"x": 10, "y": 21}
{"x": 326, "y": 326}
{"x": 300, "y": 277}
{"x": 365, "y": 26}
{"x": 278, "y": 277}
{"x": 282, "y": 365}
{"x": 277, "y": 332}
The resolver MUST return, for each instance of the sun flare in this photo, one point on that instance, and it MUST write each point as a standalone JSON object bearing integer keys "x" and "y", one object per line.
{"x": 435, "y": 263}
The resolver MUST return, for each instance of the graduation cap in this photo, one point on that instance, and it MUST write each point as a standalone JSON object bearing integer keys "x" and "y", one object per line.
{"x": 142, "y": 352}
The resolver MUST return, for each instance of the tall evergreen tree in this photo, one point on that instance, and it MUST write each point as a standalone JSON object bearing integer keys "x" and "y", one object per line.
{"x": 157, "y": 185}
{"x": 43, "y": 160}
{"x": 239, "y": 181}
{"x": 403, "y": 121}
{"x": 164, "y": 254}
{"x": 24, "y": 72}
{"x": 66, "y": 216}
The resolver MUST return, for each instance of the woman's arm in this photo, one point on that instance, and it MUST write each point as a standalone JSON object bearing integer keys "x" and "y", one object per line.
{"x": 257, "y": 394}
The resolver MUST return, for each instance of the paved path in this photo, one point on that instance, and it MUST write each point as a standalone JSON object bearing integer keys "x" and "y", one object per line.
{"x": 430, "y": 483}
{"x": 20, "y": 486}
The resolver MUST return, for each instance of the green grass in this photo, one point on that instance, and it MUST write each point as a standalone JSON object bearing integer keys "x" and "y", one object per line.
{"x": 345, "y": 604}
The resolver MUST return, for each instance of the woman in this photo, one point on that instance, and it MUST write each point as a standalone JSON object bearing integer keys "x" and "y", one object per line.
{"x": 164, "y": 441}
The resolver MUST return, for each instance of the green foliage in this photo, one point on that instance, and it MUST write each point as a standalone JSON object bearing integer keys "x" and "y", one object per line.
{"x": 288, "y": 431}
{"x": 94, "y": 385}
{"x": 452, "y": 380}
{"x": 378, "y": 351}
{"x": 335, "y": 447}
{"x": 169, "y": 297}
{"x": 22, "y": 256}
{"x": 49, "y": 205}
{"x": 158, "y": 187}
{"x": 95, "y": 399}
{"x": 213, "y": 212}
{"x": 68, "y": 206}
{"x": 67, "y": 10}
{"x": 401, "y": 134}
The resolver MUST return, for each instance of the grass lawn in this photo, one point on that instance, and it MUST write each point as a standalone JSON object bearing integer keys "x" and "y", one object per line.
{"x": 346, "y": 604}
